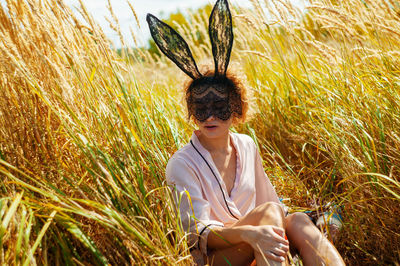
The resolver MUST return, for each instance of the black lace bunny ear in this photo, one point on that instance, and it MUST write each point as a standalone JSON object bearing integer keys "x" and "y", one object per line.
{"x": 173, "y": 46}
{"x": 221, "y": 35}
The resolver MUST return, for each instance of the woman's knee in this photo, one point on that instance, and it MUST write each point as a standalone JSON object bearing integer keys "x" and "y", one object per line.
{"x": 297, "y": 219}
{"x": 300, "y": 225}
{"x": 268, "y": 213}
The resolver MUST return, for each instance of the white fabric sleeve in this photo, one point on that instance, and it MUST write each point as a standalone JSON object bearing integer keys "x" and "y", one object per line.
{"x": 194, "y": 209}
{"x": 265, "y": 191}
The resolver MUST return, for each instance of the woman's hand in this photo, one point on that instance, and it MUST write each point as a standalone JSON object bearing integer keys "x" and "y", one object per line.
{"x": 268, "y": 240}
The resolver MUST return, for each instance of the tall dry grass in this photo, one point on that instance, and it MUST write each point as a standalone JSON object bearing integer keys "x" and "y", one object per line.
{"x": 79, "y": 144}
{"x": 86, "y": 134}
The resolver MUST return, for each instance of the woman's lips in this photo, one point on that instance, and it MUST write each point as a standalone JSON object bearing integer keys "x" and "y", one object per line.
{"x": 210, "y": 127}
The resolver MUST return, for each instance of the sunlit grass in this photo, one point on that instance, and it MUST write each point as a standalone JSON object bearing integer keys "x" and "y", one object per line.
{"x": 85, "y": 134}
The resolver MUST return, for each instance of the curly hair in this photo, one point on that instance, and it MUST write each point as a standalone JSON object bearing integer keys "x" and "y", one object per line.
{"x": 238, "y": 85}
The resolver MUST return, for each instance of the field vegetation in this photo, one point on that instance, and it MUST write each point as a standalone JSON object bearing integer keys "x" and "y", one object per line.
{"x": 86, "y": 132}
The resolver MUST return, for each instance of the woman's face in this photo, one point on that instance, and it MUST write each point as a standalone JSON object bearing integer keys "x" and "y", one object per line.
{"x": 214, "y": 127}
{"x": 211, "y": 101}
{"x": 213, "y": 107}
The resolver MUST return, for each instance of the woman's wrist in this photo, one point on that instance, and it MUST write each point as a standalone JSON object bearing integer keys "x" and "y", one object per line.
{"x": 245, "y": 233}
{"x": 226, "y": 236}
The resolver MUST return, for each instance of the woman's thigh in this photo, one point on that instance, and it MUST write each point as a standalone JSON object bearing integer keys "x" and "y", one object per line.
{"x": 269, "y": 213}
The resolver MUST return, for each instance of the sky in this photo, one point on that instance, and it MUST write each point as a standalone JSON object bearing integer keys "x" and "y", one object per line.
{"x": 98, "y": 8}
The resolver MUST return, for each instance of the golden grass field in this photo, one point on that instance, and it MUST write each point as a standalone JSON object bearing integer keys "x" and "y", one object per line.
{"x": 85, "y": 133}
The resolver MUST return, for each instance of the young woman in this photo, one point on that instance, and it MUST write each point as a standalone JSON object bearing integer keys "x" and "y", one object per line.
{"x": 226, "y": 202}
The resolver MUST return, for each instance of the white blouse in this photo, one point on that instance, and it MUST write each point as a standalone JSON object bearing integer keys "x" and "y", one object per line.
{"x": 203, "y": 199}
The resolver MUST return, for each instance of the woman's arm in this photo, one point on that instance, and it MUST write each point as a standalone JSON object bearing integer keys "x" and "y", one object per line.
{"x": 265, "y": 236}
{"x": 261, "y": 228}
{"x": 194, "y": 209}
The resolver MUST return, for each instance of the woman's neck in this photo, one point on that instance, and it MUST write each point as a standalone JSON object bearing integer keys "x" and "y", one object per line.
{"x": 219, "y": 144}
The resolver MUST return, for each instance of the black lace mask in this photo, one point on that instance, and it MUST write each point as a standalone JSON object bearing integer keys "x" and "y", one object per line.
{"x": 207, "y": 95}
{"x": 213, "y": 96}
{"x": 211, "y": 103}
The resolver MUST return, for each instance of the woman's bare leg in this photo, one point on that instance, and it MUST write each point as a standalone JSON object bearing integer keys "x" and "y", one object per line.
{"x": 269, "y": 213}
{"x": 266, "y": 214}
{"x": 314, "y": 247}
{"x": 240, "y": 255}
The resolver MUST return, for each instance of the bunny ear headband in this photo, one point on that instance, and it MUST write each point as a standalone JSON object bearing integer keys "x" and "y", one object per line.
{"x": 176, "y": 49}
